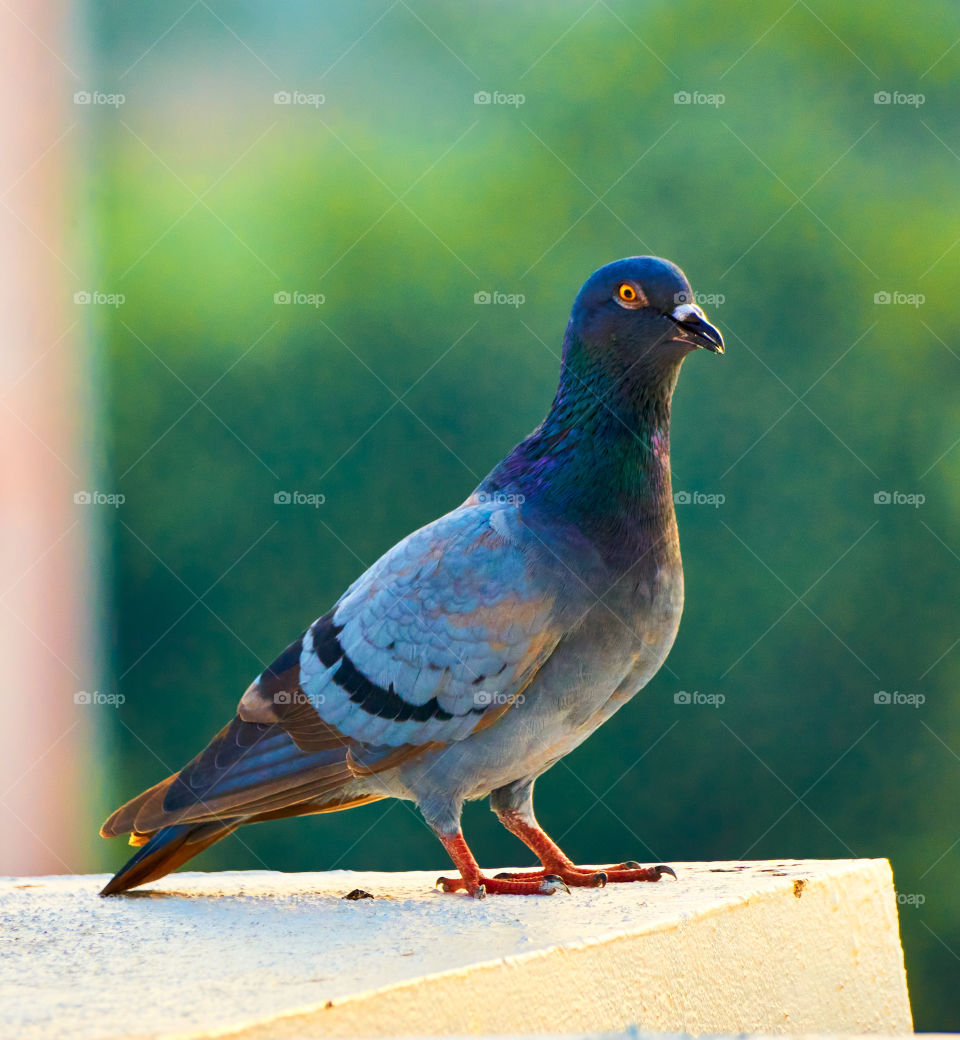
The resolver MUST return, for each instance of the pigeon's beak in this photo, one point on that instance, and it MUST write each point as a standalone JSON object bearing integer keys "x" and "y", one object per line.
{"x": 694, "y": 328}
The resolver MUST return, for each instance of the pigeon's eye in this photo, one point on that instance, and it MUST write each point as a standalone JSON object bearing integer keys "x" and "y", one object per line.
{"x": 629, "y": 296}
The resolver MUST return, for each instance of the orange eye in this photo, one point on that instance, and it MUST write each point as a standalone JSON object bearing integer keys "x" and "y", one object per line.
{"x": 627, "y": 293}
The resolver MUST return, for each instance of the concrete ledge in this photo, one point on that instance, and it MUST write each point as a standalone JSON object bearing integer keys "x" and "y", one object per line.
{"x": 763, "y": 947}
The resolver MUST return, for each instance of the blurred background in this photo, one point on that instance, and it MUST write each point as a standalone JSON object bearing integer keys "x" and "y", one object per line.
{"x": 258, "y": 253}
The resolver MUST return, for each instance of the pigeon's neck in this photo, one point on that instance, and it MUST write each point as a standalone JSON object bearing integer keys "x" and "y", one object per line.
{"x": 601, "y": 458}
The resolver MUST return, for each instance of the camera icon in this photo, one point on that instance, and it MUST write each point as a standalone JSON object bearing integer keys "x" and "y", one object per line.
{"x": 282, "y": 97}
{"x": 282, "y": 498}
{"x": 482, "y": 297}
{"x": 881, "y": 498}
{"x": 482, "y": 698}
{"x": 881, "y": 297}
{"x": 281, "y": 297}
{"x": 82, "y": 697}
{"x": 282, "y": 697}
{"x": 682, "y": 97}
{"x": 881, "y": 697}
{"x": 82, "y": 97}
{"x": 82, "y": 498}
{"x": 882, "y": 97}
{"x": 81, "y": 297}
{"x": 682, "y": 498}
{"x": 681, "y": 697}
{"x": 482, "y": 97}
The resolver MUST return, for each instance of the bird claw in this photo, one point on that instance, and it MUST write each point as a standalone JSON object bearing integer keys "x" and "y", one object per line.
{"x": 506, "y": 884}
{"x": 553, "y": 883}
{"x": 632, "y": 864}
{"x": 446, "y": 884}
{"x": 542, "y": 883}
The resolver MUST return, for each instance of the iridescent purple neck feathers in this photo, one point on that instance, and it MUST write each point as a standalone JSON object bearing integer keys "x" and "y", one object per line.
{"x": 601, "y": 457}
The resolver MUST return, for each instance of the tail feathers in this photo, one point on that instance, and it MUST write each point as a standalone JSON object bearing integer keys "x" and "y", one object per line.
{"x": 249, "y": 772}
{"x": 247, "y": 768}
{"x": 335, "y": 804}
{"x": 166, "y": 850}
{"x": 170, "y": 847}
{"x": 123, "y": 821}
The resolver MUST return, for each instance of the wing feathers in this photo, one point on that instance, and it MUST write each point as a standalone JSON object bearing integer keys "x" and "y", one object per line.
{"x": 433, "y": 642}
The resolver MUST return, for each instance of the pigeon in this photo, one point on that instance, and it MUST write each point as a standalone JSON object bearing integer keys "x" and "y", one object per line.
{"x": 487, "y": 645}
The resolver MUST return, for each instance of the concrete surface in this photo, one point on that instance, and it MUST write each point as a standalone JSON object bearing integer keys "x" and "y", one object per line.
{"x": 776, "y": 947}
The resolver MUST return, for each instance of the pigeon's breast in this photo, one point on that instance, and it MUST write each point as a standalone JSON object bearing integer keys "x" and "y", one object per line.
{"x": 646, "y": 611}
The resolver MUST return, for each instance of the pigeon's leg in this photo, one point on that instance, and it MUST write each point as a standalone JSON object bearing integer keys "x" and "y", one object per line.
{"x": 479, "y": 886}
{"x": 513, "y": 805}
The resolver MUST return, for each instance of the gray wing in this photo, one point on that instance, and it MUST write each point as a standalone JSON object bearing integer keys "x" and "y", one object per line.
{"x": 435, "y": 640}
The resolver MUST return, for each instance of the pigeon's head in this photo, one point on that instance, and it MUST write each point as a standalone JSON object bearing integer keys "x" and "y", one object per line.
{"x": 639, "y": 314}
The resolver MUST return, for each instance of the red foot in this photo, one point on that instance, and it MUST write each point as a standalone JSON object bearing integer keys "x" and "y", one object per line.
{"x": 525, "y": 885}
{"x": 559, "y": 874}
{"x": 578, "y": 877}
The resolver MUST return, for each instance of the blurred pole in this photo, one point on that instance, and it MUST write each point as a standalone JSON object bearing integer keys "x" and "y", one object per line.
{"x": 48, "y": 613}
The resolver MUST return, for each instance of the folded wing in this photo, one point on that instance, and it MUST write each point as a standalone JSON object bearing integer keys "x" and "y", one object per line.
{"x": 434, "y": 641}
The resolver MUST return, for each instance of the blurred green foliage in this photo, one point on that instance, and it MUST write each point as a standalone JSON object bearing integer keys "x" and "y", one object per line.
{"x": 796, "y": 199}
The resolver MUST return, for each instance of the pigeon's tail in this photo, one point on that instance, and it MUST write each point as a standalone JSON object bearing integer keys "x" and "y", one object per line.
{"x": 250, "y": 772}
{"x": 171, "y": 847}
{"x": 167, "y": 849}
